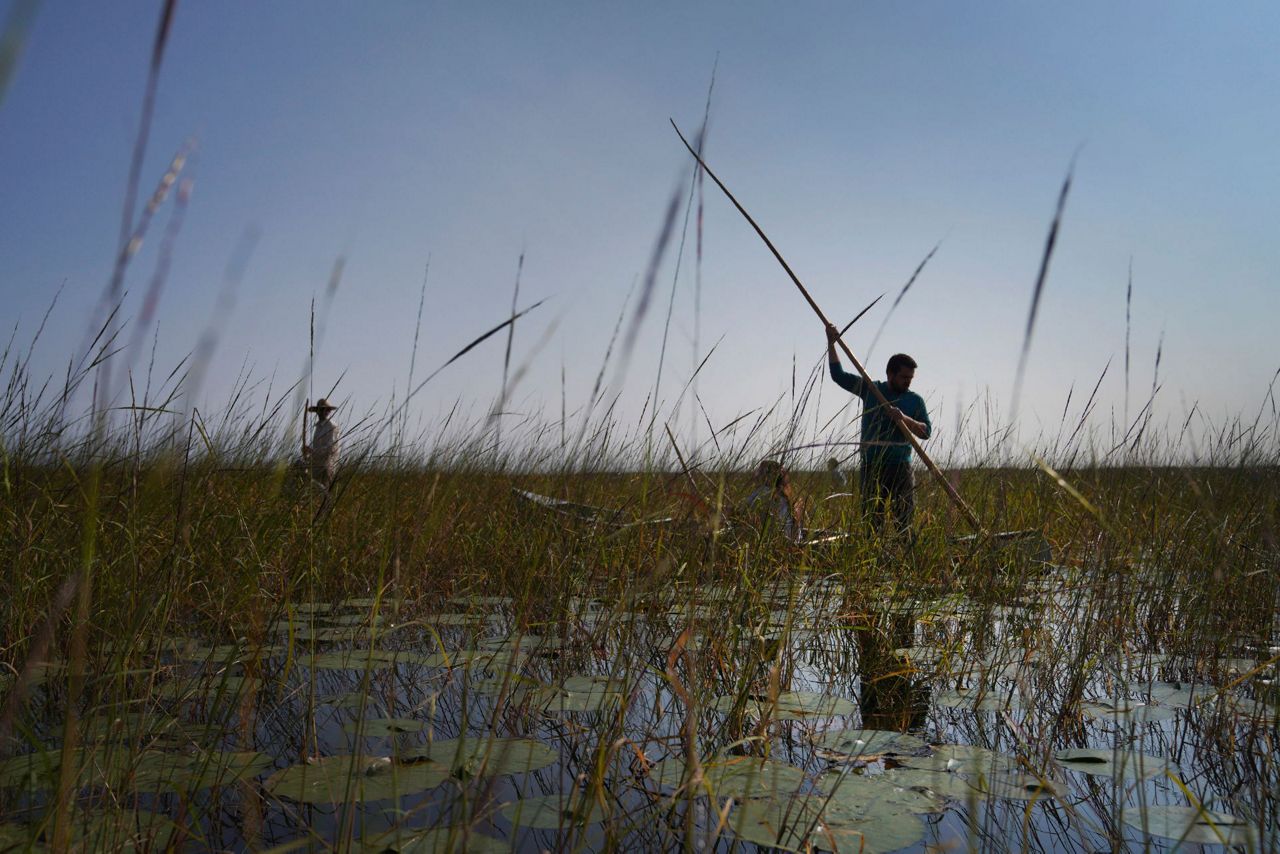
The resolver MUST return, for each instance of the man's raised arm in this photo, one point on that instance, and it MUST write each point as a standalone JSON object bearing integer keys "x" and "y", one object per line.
{"x": 847, "y": 381}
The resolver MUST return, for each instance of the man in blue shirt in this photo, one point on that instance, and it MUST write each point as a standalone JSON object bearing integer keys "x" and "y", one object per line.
{"x": 886, "y": 454}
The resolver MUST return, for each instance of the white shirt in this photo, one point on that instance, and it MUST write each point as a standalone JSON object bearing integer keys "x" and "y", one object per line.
{"x": 325, "y": 448}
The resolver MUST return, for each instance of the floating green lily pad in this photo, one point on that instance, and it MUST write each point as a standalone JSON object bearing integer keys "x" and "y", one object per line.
{"x": 383, "y": 727}
{"x": 1178, "y": 694}
{"x": 36, "y": 771}
{"x": 1127, "y": 711}
{"x": 312, "y": 607}
{"x": 476, "y": 601}
{"x": 735, "y": 776}
{"x": 1114, "y": 763}
{"x": 1188, "y": 824}
{"x": 357, "y": 659}
{"x": 213, "y": 686}
{"x": 352, "y": 620}
{"x": 223, "y": 768}
{"x": 437, "y": 840}
{"x": 119, "y": 768}
{"x": 156, "y": 771}
{"x": 867, "y": 743}
{"x": 859, "y": 794}
{"x": 580, "y": 694}
{"x": 528, "y": 644}
{"x": 948, "y": 784}
{"x": 963, "y": 759}
{"x": 791, "y": 705}
{"x": 456, "y": 619}
{"x": 220, "y": 654}
{"x": 350, "y": 700}
{"x": 487, "y": 756}
{"x": 476, "y": 659}
{"x": 331, "y": 634}
{"x": 991, "y": 700}
{"x": 362, "y": 659}
{"x": 783, "y": 823}
{"x": 386, "y": 603}
{"x": 128, "y": 830}
{"x": 774, "y": 824}
{"x": 547, "y": 812}
{"x": 19, "y": 837}
{"x": 337, "y": 779}
{"x": 141, "y": 727}
{"x": 923, "y": 656}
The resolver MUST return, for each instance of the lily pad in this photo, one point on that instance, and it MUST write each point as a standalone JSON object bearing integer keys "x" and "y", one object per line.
{"x": 547, "y": 812}
{"x": 476, "y": 601}
{"x": 214, "y": 686}
{"x": 363, "y": 619}
{"x": 331, "y": 634}
{"x": 990, "y": 700}
{"x": 487, "y": 756}
{"x": 476, "y": 659}
{"x": 922, "y": 656}
{"x": 437, "y": 840}
{"x": 36, "y": 771}
{"x": 948, "y": 784}
{"x": 312, "y": 607}
{"x": 1114, "y": 763}
{"x": 456, "y": 619}
{"x": 338, "y": 779}
{"x": 383, "y": 727}
{"x": 1127, "y": 711}
{"x": 349, "y": 660}
{"x": 362, "y": 659}
{"x": 580, "y": 694}
{"x": 528, "y": 644}
{"x": 1179, "y": 694}
{"x": 386, "y": 603}
{"x": 128, "y": 830}
{"x": 142, "y": 727}
{"x": 963, "y": 759}
{"x": 350, "y": 700}
{"x": 859, "y": 794}
{"x": 1189, "y": 824}
{"x": 118, "y": 768}
{"x": 19, "y": 837}
{"x": 227, "y": 653}
{"x": 867, "y": 743}
{"x": 223, "y": 768}
{"x": 773, "y": 823}
{"x": 791, "y": 705}
{"x": 735, "y": 776}
{"x": 156, "y": 771}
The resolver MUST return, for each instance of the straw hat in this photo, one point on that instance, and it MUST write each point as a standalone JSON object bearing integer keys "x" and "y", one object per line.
{"x": 322, "y": 405}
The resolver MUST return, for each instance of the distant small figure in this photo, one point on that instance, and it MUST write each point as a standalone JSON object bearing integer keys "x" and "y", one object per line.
{"x": 838, "y": 481}
{"x": 322, "y": 454}
{"x": 773, "y": 501}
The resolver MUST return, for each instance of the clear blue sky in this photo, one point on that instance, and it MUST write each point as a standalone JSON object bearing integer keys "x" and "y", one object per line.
{"x": 859, "y": 134}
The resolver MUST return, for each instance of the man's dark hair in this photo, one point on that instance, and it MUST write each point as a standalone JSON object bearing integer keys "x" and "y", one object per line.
{"x": 898, "y": 361}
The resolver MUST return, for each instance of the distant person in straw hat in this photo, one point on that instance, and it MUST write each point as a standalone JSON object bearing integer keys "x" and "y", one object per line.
{"x": 838, "y": 481}
{"x": 773, "y": 501}
{"x": 322, "y": 453}
{"x": 886, "y": 454}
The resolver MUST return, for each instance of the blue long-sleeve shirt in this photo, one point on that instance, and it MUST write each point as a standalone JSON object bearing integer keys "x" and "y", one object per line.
{"x": 882, "y": 441}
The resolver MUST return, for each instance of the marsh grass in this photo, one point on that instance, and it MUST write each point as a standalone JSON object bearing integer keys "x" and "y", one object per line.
{"x": 200, "y": 653}
{"x": 230, "y": 634}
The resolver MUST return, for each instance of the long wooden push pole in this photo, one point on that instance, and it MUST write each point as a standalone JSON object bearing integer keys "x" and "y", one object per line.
{"x": 937, "y": 473}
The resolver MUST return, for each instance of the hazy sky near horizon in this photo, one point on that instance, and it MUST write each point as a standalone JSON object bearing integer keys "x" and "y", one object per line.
{"x": 858, "y": 134}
